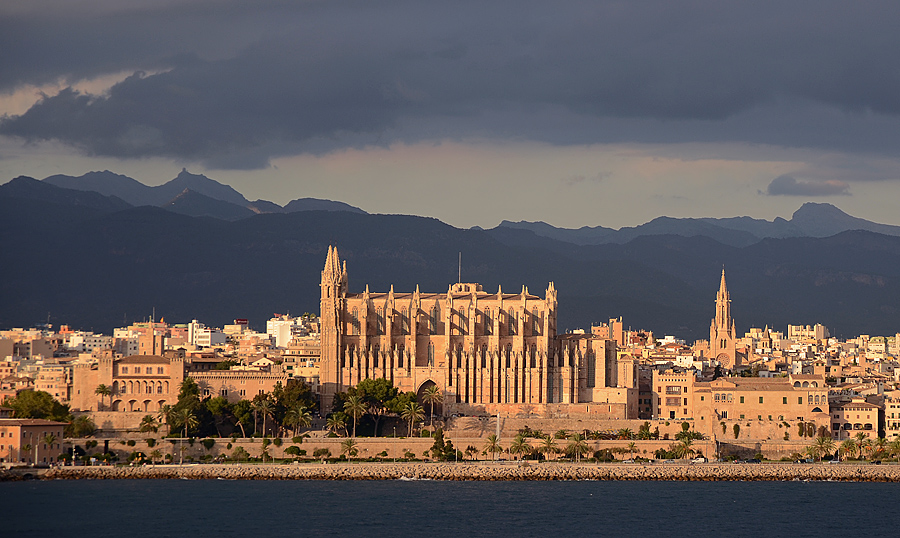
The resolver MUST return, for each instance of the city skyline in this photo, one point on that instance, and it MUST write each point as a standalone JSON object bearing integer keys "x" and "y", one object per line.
{"x": 580, "y": 114}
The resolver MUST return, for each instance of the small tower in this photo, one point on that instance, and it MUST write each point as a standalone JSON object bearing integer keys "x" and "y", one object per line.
{"x": 722, "y": 334}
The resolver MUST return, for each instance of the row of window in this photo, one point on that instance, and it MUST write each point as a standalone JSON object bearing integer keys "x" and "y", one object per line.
{"x": 810, "y": 399}
{"x": 459, "y": 319}
{"x": 137, "y": 370}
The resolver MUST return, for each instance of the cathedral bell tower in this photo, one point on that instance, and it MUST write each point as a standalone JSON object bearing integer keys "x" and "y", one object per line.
{"x": 722, "y": 334}
{"x": 333, "y": 289}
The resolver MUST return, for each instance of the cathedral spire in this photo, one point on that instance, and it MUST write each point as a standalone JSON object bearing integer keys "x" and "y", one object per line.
{"x": 723, "y": 289}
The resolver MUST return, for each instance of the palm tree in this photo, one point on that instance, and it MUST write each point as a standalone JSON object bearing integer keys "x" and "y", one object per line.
{"x": 432, "y": 395}
{"x": 336, "y": 422}
{"x": 348, "y": 447}
{"x": 879, "y": 448}
{"x": 103, "y": 390}
{"x": 520, "y": 446}
{"x": 684, "y": 449}
{"x": 155, "y": 455}
{"x": 298, "y": 417}
{"x": 631, "y": 448}
{"x": 548, "y": 446}
{"x": 356, "y": 408}
{"x": 187, "y": 419}
{"x": 412, "y": 412}
{"x": 165, "y": 415}
{"x": 894, "y": 447}
{"x": 865, "y": 445}
{"x": 48, "y": 440}
{"x": 264, "y": 407}
{"x": 149, "y": 424}
{"x": 492, "y": 446}
{"x": 625, "y": 434}
{"x": 848, "y": 448}
{"x": 822, "y": 446}
{"x": 578, "y": 446}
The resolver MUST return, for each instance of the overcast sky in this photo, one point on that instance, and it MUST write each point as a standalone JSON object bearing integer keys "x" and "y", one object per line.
{"x": 574, "y": 113}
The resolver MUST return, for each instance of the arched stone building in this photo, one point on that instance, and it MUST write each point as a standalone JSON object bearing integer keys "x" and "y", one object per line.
{"x": 484, "y": 351}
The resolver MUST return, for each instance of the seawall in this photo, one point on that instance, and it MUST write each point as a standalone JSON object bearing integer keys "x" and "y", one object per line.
{"x": 476, "y": 471}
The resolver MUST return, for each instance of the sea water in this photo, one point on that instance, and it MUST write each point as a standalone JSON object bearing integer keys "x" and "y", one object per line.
{"x": 358, "y": 509}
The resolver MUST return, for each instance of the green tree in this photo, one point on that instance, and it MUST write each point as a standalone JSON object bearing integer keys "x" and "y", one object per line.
{"x": 632, "y": 447}
{"x": 103, "y": 390}
{"x": 624, "y": 434}
{"x": 548, "y": 446}
{"x": 492, "y": 446}
{"x": 644, "y": 432}
{"x": 848, "y": 448}
{"x": 684, "y": 448}
{"x": 413, "y": 412}
{"x": 149, "y": 424}
{"x": 377, "y": 395}
{"x": 821, "y": 447}
{"x": 38, "y": 404}
{"x": 166, "y": 415}
{"x": 349, "y": 447}
{"x": 298, "y": 418}
{"x": 355, "y": 407}
{"x": 186, "y": 420}
{"x": 520, "y": 447}
{"x": 321, "y": 453}
{"x": 737, "y": 430}
{"x": 431, "y": 396}
{"x": 577, "y": 447}
{"x": 438, "y": 448}
{"x": 262, "y": 405}
{"x": 220, "y": 409}
{"x": 243, "y": 414}
{"x": 81, "y": 426}
{"x": 336, "y": 422}
{"x": 239, "y": 454}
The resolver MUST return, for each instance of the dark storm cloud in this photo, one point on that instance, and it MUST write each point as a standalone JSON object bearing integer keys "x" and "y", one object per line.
{"x": 790, "y": 186}
{"x": 246, "y": 82}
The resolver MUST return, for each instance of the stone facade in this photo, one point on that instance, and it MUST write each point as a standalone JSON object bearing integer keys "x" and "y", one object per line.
{"x": 484, "y": 351}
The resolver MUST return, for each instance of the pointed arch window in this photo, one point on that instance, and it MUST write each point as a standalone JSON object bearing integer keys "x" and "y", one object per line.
{"x": 488, "y": 323}
{"x": 535, "y": 323}
{"x": 354, "y": 322}
{"x": 430, "y": 354}
{"x": 511, "y": 317}
{"x": 433, "y": 320}
{"x": 379, "y": 320}
{"x": 404, "y": 321}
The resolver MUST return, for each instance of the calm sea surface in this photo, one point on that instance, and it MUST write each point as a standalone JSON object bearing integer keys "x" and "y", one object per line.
{"x": 216, "y": 508}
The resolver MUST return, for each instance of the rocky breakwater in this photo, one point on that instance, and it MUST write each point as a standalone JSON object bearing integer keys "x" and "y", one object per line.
{"x": 485, "y": 471}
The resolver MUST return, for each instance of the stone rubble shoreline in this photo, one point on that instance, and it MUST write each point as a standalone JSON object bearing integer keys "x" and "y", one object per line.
{"x": 474, "y": 471}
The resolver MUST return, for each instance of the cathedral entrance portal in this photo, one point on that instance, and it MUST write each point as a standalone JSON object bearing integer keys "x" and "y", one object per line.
{"x": 426, "y": 400}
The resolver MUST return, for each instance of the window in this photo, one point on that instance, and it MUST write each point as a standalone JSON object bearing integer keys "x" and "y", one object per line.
{"x": 701, "y": 398}
{"x": 159, "y": 370}
{"x": 535, "y": 323}
{"x": 673, "y": 402}
{"x": 124, "y": 369}
{"x": 511, "y": 317}
{"x": 742, "y": 401}
{"x": 760, "y": 399}
{"x": 488, "y": 323}
{"x": 800, "y": 399}
{"x": 433, "y": 322}
{"x": 673, "y": 390}
{"x": 379, "y": 321}
{"x": 784, "y": 400}
{"x": 404, "y": 321}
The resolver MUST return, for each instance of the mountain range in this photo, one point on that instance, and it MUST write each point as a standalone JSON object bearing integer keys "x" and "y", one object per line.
{"x": 188, "y": 194}
{"x": 104, "y": 250}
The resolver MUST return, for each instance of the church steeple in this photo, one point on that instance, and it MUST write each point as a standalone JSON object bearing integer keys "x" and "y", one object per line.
{"x": 722, "y": 333}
